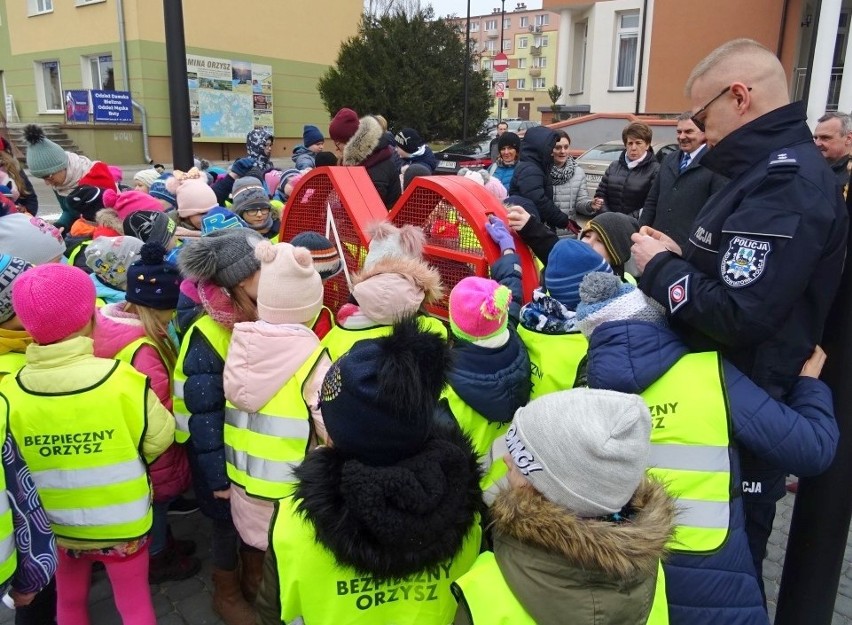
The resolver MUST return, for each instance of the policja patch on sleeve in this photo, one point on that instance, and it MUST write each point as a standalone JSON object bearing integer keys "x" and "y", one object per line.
{"x": 678, "y": 293}
{"x": 744, "y": 261}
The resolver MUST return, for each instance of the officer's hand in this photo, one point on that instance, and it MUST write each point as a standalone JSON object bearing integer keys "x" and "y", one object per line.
{"x": 814, "y": 364}
{"x": 644, "y": 249}
{"x": 670, "y": 243}
{"x": 517, "y": 217}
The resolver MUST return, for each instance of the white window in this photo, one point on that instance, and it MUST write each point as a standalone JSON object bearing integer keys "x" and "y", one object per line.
{"x": 48, "y": 86}
{"x": 37, "y": 7}
{"x": 542, "y": 20}
{"x": 525, "y": 21}
{"x": 544, "y": 42}
{"x": 82, "y": 3}
{"x": 540, "y": 61}
{"x": 578, "y": 59}
{"x": 98, "y": 72}
{"x": 626, "y": 50}
{"x": 491, "y": 25}
{"x": 507, "y": 44}
{"x": 522, "y": 42}
{"x": 538, "y": 83}
{"x": 507, "y": 22}
{"x": 522, "y": 63}
{"x": 474, "y": 27}
{"x": 489, "y": 45}
{"x": 486, "y": 64}
{"x": 521, "y": 83}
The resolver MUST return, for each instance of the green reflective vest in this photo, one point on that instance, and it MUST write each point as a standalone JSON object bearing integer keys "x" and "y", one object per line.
{"x": 490, "y": 601}
{"x": 219, "y": 339}
{"x": 554, "y": 359}
{"x": 690, "y": 438}
{"x": 262, "y": 448}
{"x": 340, "y": 340}
{"x": 8, "y": 552}
{"x": 313, "y": 587}
{"x": 82, "y": 449}
{"x": 481, "y": 431}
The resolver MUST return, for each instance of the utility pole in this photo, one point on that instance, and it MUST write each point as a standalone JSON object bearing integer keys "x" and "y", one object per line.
{"x": 178, "y": 87}
{"x": 466, "y": 71}
{"x": 502, "y": 27}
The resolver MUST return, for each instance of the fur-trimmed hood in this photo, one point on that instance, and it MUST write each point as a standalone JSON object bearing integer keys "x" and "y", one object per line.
{"x": 364, "y": 142}
{"x": 620, "y": 550}
{"x": 395, "y": 287}
{"x": 389, "y": 522}
{"x": 108, "y": 218}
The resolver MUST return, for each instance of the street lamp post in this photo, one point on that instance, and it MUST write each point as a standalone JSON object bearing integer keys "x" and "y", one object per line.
{"x": 466, "y": 72}
{"x": 502, "y": 26}
{"x": 178, "y": 88}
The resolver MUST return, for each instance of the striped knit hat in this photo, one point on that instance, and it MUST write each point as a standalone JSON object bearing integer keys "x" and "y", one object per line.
{"x": 604, "y": 297}
{"x": 326, "y": 258}
{"x": 569, "y": 261}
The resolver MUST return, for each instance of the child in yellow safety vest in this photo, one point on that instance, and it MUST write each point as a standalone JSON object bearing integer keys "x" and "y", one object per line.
{"x": 136, "y": 331}
{"x": 580, "y": 530}
{"x": 14, "y": 339}
{"x": 87, "y": 427}
{"x": 273, "y": 372}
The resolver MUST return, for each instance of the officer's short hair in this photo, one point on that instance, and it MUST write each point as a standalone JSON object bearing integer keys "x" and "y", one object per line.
{"x": 845, "y": 121}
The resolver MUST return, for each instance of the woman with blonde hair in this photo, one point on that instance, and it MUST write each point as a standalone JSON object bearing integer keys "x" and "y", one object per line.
{"x": 21, "y": 189}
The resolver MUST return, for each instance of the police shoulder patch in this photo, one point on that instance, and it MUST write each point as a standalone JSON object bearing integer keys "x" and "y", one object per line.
{"x": 678, "y": 293}
{"x": 783, "y": 159}
{"x": 744, "y": 261}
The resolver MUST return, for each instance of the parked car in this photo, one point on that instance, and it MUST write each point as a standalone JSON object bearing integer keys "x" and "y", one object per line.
{"x": 595, "y": 161}
{"x": 473, "y": 154}
{"x": 518, "y": 126}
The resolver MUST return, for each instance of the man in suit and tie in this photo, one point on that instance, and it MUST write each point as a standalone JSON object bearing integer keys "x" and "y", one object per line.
{"x": 682, "y": 185}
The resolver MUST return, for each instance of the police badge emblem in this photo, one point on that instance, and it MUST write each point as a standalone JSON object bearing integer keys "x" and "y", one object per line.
{"x": 744, "y": 261}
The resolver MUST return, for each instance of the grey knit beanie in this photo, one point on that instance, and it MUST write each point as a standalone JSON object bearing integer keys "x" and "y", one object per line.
{"x": 604, "y": 297}
{"x": 224, "y": 257}
{"x": 248, "y": 192}
{"x": 584, "y": 449}
{"x": 44, "y": 157}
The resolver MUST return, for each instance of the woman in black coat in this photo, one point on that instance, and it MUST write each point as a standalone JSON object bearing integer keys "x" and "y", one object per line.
{"x": 626, "y": 183}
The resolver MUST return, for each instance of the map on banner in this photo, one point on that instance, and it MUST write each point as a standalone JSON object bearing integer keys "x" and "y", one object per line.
{"x": 228, "y": 98}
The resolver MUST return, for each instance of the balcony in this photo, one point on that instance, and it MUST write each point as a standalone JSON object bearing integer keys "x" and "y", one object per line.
{"x": 492, "y": 34}
{"x": 535, "y": 50}
{"x": 535, "y": 72}
{"x": 798, "y": 89}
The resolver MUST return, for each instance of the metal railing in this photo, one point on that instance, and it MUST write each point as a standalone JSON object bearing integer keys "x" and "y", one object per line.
{"x": 797, "y": 90}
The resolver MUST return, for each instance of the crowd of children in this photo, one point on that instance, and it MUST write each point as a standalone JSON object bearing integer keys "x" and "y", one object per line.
{"x": 562, "y": 458}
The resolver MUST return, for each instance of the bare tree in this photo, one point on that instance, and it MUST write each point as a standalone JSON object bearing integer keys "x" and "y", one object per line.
{"x": 378, "y": 8}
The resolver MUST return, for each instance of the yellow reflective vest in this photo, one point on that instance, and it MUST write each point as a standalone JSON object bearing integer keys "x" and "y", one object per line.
{"x": 11, "y": 362}
{"x": 313, "y": 587}
{"x": 82, "y": 449}
{"x": 690, "y": 455}
{"x": 554, "y": 359}
{"x": 262, "y": 448}
{"x": 219, "y": 339}
{"x": 489, "y": 600}
{"x": 340, "y": 340}
{"x": 481, "y": 431}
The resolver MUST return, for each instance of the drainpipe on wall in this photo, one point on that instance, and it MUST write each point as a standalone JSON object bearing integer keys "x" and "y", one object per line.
{"x": 641, "y": 55}
{"x": 785, "y": 8}
{"x": 125, "y": 68}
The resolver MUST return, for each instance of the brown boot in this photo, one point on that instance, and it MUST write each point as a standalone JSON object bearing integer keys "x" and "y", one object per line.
{"x": 251, "y": 572}
{"x": 228, "y": 601}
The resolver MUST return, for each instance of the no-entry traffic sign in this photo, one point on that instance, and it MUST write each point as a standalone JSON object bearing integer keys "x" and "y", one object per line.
{"x": 500, "y": 62}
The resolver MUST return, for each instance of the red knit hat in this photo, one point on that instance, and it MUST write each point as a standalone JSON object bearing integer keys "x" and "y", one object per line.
{"x": 98, "y": 176}
{"x": 53, "y": 301}
{"x": 343, "y": 126}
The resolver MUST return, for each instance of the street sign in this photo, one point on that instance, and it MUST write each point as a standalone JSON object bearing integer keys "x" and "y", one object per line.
{"x": 500, "y": 76}
{"x": 499, "y": 89}
{"x": 500, "y": 62}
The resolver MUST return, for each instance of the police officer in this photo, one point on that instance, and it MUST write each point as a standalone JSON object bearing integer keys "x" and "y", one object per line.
{"x": 764, "y": 258}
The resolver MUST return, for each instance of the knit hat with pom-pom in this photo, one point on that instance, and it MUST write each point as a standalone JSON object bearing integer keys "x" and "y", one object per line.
{"x": 193, "y": 195}
{"x": 604, "y": 297}
{"x": 224, "y": 257}
{"x": 44, "y": 157}
{"x": 128, "y": 202}
{"x": 479, "y": 308}
{"x": 388, "y": 241}
{"x": 151, "y": 281}
{"x": 290, "y": 289}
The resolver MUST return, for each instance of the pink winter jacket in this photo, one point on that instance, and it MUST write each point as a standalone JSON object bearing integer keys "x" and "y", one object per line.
{"x": 115, "y": 329}
{"x": 261, "y": 359}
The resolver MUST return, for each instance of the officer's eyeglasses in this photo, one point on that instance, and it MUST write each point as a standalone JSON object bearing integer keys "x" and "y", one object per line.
{"x": 701, "y": 114}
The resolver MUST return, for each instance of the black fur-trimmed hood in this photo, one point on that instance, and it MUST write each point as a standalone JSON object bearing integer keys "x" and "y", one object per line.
{"x": 390, "y": 522}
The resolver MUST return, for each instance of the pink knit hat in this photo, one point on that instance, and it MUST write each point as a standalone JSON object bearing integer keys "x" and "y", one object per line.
{"x": 272, "y": 179}
{"x": 128, "y": 202}
{"x": 194, "y": 195}
{"x": 479, "y": 308}
{"x": 53, "y": 301}
{"x": 290, "y": 289}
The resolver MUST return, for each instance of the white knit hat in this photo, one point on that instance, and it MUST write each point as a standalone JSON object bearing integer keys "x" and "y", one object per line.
{"x": 290, "y": 289}
{"x": 584, "y": 449}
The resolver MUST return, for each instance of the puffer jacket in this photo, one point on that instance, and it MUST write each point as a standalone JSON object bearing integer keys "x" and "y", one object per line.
{"x": 370, "y": 147}
{"x": 573, "y": 196}
{"x": 798, "y": 437}
{"x": 596, "y": 570}
{"x": 532, "y": 175}
{"x": 261, "y": 359}
{"x": 624, "y": 190}
{"x": 502, "y": 172}
{"x": 114, "y": 330}
{"x": 303, "y": 158}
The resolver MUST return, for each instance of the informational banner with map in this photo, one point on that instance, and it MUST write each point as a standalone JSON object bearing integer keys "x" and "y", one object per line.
{"x": 228, "y": 98}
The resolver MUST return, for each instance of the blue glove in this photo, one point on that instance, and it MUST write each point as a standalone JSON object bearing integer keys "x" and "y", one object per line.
{"x": 500, "y": 234}
{"x": 242, "y": 166}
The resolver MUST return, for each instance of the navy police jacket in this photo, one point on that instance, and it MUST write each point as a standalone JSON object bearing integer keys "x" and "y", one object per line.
{"x": 765, "y": 254}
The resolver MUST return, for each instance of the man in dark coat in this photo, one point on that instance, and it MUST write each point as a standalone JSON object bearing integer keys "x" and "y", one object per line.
{"x": 682, "y": 185}
{"x": 764, "y": 258}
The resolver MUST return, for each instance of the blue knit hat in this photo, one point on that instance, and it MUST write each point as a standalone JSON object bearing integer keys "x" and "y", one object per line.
{"x": 159, "y": 191}
{"x": 151, "y": 281}
{"x": 568, "y": 262}
{"x": 311, "y": 135}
